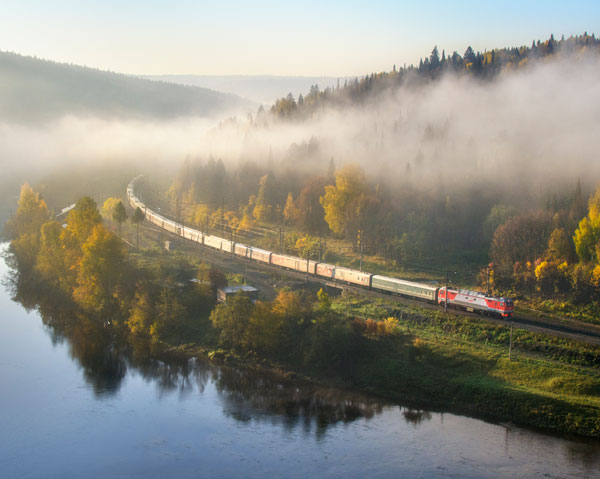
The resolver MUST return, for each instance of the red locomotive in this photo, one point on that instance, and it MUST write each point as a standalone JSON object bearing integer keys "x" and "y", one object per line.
{"x": 476, "y": 301}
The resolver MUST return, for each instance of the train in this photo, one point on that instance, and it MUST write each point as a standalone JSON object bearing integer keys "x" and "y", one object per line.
{"x": 467, "y": 300}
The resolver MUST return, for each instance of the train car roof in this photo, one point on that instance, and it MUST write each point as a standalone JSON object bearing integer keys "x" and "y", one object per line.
{"x": 343, "y": 268}
{"x": 403, "y": 281}
{"x": 259, "y": 250}
{"x": 291, "y": 257}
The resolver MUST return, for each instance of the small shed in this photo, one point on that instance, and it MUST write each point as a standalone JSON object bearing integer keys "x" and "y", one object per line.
{"x": 223, "y": 294}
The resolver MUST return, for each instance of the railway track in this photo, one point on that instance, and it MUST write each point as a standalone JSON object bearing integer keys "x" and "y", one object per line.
{"x": 572, "y": 329}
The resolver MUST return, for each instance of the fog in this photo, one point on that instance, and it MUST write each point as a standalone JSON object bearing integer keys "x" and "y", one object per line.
{"x": 534, "y": 126}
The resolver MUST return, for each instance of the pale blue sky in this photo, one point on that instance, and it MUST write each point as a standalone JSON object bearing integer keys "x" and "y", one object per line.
{"x": 336, "y": 38}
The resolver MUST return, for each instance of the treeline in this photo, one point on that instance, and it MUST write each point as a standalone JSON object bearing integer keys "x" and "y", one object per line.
{"x": 86, "y": 271}
{"x": 402, "y": 224}
{"x": 550, "y": 252}
{"x": 483, "y": 65}
{"x": 86, "y": 267}
{"x": 553, "y": 252}
{"x": 35, "y": 90}
{"x": 89, "y": 268}
{"x": 300, "y": 332}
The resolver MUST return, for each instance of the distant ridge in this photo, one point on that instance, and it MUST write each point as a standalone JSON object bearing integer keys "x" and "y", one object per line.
{"x": 259, "y": 88}
{"x": 34, "y": 90}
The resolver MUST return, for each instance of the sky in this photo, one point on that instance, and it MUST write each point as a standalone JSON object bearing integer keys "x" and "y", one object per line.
{"x": 307, "y": 38}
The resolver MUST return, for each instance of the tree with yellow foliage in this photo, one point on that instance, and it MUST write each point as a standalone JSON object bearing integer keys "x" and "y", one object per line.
{"x": 99, "y": 270}
{"x": 141, "y": 313}
{"x": 587, "y": 234}
{"x": 263, "y": 210}
{"x": 24, "y": 227}
{"x": 341, "y": 201}
{"x": 108, "y": 207}
{"x": 290, "y": 210}
{"x": 32, "y": 213}
{"x": 50, "y": 262}
{"x": 81, "y": 221}
{"x": 289, "y": 304}
{"x": 201, "y": 215}
{"x": 307, "y": 244}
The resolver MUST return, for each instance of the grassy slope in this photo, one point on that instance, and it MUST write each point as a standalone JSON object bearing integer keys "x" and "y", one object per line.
{"x": 463, "y": 364}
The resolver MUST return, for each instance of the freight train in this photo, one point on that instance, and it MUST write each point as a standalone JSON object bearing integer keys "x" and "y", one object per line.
{"x": 467, "y": 300}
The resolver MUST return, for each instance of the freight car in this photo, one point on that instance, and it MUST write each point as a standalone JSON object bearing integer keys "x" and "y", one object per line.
{"x": 352, "y": 276}
{"x": 293, "y": 263}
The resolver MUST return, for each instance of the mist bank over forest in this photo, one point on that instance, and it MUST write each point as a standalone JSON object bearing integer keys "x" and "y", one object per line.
{"x": 34, "y": 90}
{"x": 515, "y": 120}
{"x": 421, "y": 164}
{"x": 263, "y": 89}
{"x": 521, "y": 124}
{"x": 56, "y": 116}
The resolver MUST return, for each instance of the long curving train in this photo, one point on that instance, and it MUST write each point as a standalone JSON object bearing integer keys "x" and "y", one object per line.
{"x": 467, "y": 300}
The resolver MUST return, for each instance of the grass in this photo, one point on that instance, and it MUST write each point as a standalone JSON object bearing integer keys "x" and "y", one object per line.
{"x": 561, "y": 309}
{"x": 462, "y": 363}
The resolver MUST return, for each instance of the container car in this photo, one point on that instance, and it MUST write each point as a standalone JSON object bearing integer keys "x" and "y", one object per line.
{"x": 241, "y": 250}
{"x": 257, "y": 254}
{"x": 212, "y": 241}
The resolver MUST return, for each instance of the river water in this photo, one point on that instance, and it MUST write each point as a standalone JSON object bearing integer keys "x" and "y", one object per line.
{"x": 71, "y": 408}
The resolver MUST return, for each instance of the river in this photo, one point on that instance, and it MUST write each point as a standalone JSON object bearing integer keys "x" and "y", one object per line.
{"x": 76, "y": 408}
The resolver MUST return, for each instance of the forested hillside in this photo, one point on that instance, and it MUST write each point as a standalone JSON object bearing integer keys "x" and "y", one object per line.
{"x": 482, "y": 65}
{"x": 448, "y": 166}
{"x": 34, "y": 90}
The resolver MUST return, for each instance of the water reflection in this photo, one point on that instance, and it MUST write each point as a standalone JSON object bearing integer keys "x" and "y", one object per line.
{"x": 246, "y": 394}
{"x": 416, "y": 416}
{"x": 255, "y": 396}
{"x": 326, "y": 431}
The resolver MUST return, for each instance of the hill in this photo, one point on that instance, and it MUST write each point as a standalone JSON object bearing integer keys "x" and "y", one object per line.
{"x": 34, "y": 90}
{"x": 259, "y": 88}
{"x": 483, "y": 66}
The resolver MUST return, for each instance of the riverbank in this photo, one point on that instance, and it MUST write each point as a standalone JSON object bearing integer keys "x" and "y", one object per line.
{"x": 425, "y": 360}
{"x": 405, "y": 353}
{"x": 442, "y": 372}
{"x": 71, "y": 403}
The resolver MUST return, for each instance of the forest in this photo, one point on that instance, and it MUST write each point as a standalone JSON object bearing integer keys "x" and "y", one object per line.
{"x": 549, "y": 252}
{"x": 481, "y": 65}
{"x": 99, "y": 290}
{"x": 145, "y": 298}
{"x": 418, "y": 196}
{"x": 40, "y": 91}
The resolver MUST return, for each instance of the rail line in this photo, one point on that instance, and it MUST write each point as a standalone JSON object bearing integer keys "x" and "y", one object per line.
{"x": 571, "y": 329}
